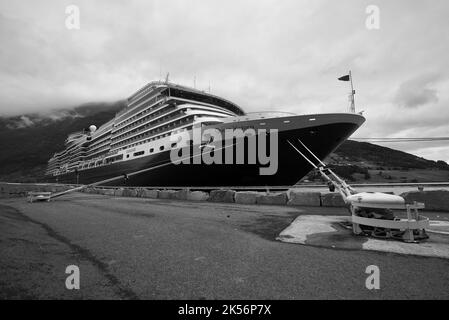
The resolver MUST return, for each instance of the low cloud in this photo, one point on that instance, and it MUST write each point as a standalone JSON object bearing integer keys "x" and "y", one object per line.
{"x": 46, "y": 118}
{"x": 24, "y": 122}
{"x": 417, "y": 92}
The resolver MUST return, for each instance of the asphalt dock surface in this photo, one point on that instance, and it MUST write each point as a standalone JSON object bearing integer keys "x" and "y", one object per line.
{"x": 133, "y": 248}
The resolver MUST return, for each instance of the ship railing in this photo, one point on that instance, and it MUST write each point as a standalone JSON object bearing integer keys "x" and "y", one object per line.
{"x": 148, "y": 86}
{"x": 205, "y": 93}
{"x": 151, "y": 100}
{"x": 140, "y": 122}
{"x": 275, "y": 113}
{"x": 175, "y": 85}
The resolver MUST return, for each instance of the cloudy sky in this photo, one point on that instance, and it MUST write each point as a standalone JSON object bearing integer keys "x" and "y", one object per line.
{"x": 262, "y": 54}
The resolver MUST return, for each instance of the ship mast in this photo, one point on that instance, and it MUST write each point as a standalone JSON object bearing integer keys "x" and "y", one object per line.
{"x": 166, "y": 82}
{"x": 352, "y": 94}
{"x": 348, "y": 77}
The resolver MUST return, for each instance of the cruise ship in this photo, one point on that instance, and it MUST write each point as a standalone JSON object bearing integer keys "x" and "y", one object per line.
{"x": 135, "y": 148}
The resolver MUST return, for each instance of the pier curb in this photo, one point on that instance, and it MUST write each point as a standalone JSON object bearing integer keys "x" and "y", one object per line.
{"x": 129, "y": 193}
{"x": 181, "y": 194}
{"x": 14, "y": 190}
{"x": 246, "y": 197}
{"x": 222, "y": 196}
{"x": 118, "y": 192}
{"x": 279, "y": 198}
{"x": 149, "y": 193}
{"x": 197, "y": 196}
{"x": 299, "y": 198}
{"x": 434, "y": 200}
{"x": 166, "y": 194}
{"x": 332, "y": 200}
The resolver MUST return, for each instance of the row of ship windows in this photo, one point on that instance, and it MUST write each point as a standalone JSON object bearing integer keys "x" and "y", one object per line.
{"x": 151, "y": 132}
{"x": 69, "y": 150}
{"x": 97, "y": 144}
{"x": 142, "y": 95}
{"x": 150, "y": 102}
{"x": 162, "y": 148}
{"x": 133, "y": 103}
{"x": 120, "y": 157}
{"x": 149, "y": 123}
{"x": 138, "y": 122}
{"x": 158, "y": 129}
{"x": 161, "y": 136}
{"x": 100, "y": 139}
{"x": 100, "y": 146}
{"x": 139, "y": 153}
{"x": 133, "y": 124}
{"x": 106, "y": 143}
{"x": 156, "y": 138}
{"x": 152, "y": 139}
{"x": 177, "y": 131}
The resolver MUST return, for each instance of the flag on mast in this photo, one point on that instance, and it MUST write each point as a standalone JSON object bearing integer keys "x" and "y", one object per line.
{"x": 348, "y": 77}
{"x": 345, "y": 78}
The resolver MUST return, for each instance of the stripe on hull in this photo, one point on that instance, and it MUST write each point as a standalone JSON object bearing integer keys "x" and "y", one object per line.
{"x": 322, "y": 140}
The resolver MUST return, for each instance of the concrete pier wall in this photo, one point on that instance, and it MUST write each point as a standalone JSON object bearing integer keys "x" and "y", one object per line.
{"x": 13, "y": 190}
{"x": 434, "y": 200}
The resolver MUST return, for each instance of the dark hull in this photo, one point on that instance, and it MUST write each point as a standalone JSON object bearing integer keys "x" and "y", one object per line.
{"x": 321, "y": 139}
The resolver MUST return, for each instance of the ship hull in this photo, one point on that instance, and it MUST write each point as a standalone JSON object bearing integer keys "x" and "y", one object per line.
{"x": 322, "y": 137}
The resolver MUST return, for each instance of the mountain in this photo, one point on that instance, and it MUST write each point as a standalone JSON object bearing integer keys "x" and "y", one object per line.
{"x": 28, "y": 141}
{"x": 371, "y": 163}
{"x": 375, "y": 155}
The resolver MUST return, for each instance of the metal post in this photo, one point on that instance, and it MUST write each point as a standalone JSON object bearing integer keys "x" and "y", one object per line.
{"x": 355, "y": 226}
{"x": 408, "y": 234}
{"x": 352, "y": 107}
